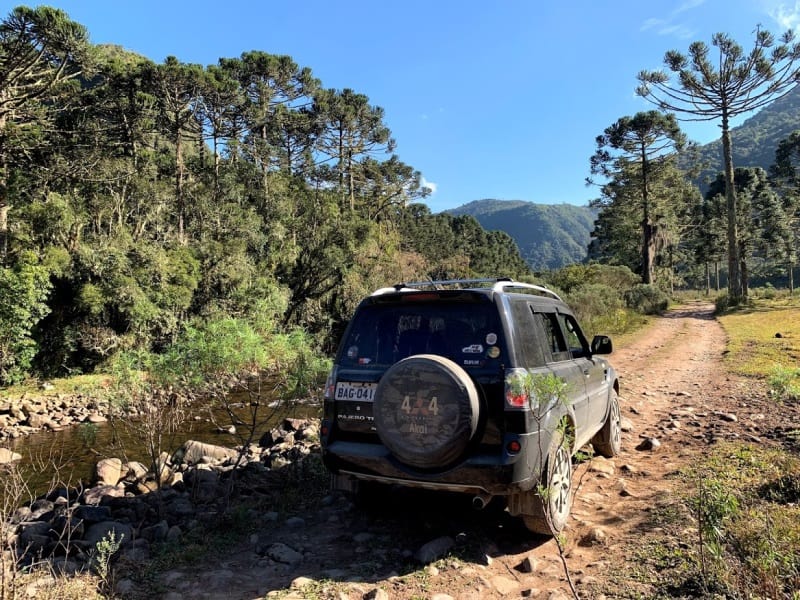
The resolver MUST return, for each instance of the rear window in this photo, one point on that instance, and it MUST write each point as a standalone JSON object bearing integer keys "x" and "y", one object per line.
{"x": 467, "y": 333}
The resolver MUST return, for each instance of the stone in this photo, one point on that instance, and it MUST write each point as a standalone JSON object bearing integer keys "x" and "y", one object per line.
{"x": 529, "y": 565}
{"x": 434, "y": 549}
{"x": 95, "y": 495}
{"x": 596, "y": 536}
{"x": 103, "y": 530}
{"x": 109, "y": 471}
{"x": 192, "y": 452}
{"x": 649, "y": 443}
{"x": 602, "y": 465}
{"x": 284, "y": 554}
{"x": 504, "y": 585}
{"x": 8, "y": 456}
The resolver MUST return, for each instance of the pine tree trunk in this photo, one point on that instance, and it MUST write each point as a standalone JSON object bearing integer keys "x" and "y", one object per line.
{"x": 735, "y": 293}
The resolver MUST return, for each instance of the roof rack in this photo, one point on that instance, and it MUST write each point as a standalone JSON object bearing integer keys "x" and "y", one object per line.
{"x": 499, "y": 284}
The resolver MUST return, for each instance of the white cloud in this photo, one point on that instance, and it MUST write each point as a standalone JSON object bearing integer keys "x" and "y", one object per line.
{"x": 430, "y": 185}
{"x": 669, "y": 25}
{"x": 787, "y": 16}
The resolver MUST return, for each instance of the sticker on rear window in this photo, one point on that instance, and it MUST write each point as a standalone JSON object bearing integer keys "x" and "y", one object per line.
{"x": 473, "y": 349}
{"x": 491, "y": 339}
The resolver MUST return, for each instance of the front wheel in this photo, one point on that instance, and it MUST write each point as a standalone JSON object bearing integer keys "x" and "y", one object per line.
{"x": 608, "y": 441}
{"x": 549, "y": 509}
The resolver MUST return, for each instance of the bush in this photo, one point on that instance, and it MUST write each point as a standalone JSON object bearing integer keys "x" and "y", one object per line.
{"x": 573, "y": 277}
{"x": 784, "y": 384}
{"x": 593, "y": 300}
{"x": 646, "y": 299}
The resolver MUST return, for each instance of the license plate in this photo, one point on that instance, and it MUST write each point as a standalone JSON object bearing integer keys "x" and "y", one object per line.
{"x": 348, "y": 390}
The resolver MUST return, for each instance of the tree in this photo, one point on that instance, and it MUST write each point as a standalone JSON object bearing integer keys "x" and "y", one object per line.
{"x": 646, "y": 141}
{"x": 737, "y": 84}
{"x": 352, "y": 128}
{"x": 784, "y": 218}
{"x": 39, "y": 49}
{"x": 754, "y": 196}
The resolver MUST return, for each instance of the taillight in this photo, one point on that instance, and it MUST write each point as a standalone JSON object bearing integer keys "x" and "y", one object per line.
{"x": 513, "y": 447}
{"x": 516, "y": 400}
{"x": 330, "y": 385}
{"x": 517, "y": 393}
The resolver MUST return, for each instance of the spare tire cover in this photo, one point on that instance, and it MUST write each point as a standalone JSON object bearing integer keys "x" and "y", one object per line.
{"x": 426, "y": 410}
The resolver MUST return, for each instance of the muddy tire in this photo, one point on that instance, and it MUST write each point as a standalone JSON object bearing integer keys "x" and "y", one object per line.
{"x": 608, "y": 441}
{"x": 549, "y": 510}
{"x": 426, "y": 411}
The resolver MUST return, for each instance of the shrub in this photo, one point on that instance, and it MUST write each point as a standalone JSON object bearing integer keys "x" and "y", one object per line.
{"x": 646, "y": 299}
{"x": 784, "y": 383}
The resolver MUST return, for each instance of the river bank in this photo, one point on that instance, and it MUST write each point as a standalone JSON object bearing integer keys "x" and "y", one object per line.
{"x": 28, "y": 414}
{"x": 128, "y": 509}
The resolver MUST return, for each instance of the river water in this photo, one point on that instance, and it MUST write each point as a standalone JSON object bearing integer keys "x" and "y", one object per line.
{"x": 70, "y": 455}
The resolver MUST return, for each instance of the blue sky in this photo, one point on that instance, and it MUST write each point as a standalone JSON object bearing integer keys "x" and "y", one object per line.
{"x": 498, "y": 99}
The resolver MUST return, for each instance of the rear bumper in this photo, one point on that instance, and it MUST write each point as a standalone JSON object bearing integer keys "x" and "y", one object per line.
{"x": 496, "y": 473}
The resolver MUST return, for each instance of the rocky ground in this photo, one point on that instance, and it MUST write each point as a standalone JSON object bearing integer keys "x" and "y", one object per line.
{"x": 677, "y": 401}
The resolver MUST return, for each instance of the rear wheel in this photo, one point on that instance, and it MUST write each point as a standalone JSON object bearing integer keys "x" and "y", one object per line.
{"x": 608, "y": 441}
{"x": 549, "y": 509}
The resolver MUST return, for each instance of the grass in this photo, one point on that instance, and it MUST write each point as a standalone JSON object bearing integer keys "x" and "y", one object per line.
{"x": 764, "y": 342}
{"x": 77, "y": 384}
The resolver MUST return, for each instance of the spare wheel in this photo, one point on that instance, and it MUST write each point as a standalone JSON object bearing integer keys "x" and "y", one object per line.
{"x": 426, "y": 410}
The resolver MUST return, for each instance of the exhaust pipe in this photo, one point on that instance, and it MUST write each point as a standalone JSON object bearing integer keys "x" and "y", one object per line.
{"x": 480, "y": 501}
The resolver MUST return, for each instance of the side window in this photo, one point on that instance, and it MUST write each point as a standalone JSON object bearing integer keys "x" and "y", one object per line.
{"x": 553, "y": 337}
{"x": 575, "y": 341}
{"x": 527, "y": 333}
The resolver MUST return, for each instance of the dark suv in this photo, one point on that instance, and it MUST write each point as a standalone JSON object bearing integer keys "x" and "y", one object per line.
{"x": 486, "y": 387}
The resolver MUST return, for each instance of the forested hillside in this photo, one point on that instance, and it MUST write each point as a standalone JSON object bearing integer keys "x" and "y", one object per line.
{"x": 755, "y": 140}
{"x": 549, "y": 236}
{"x": 140, "y": 201}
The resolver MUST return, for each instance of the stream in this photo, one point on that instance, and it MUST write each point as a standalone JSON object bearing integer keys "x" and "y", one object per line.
{"x": 69, "y": 456}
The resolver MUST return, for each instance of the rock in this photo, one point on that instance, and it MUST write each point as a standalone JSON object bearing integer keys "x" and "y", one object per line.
{"x": 295, "y": 522}
{"x": 95, "y": 533}
{"x": 202, "y": 484}
{"x": 529, "y": 564}
{"x": 596, "y": 536}
{"x": 602, "y": 465}
{"x": 109, "y": 471}
{"x": 96, "y": 418}
{"x": 728, "y": 417}
{"x": 283, "y": 554}
{"x": 504, "y": 585}
{"x": 649, "y": 443}
{"x": 192, "y": 452}
{"x": 376, "y": 594}
{"x": 626, "y": 424}
{"x": 95, "y": 495}
{"x": 7, "y": 456}
{"x": 434, "y": 549}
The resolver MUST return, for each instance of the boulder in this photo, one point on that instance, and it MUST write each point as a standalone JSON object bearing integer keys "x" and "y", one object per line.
{"x": 109, "y": 471}
{"x": 8, "y": 456}
{"x": 192, "y": 452}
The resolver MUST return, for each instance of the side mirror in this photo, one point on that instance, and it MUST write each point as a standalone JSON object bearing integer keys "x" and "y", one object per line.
{"x": 601, "y": 344}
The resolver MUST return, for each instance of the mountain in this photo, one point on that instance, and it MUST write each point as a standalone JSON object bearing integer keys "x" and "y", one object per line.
{"x": 549, "y": 236}
{"x": 755, "y": 140}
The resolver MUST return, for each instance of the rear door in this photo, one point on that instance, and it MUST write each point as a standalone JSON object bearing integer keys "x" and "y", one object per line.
{"x": 594, "y": 374}
{"x": 564, "y": 366}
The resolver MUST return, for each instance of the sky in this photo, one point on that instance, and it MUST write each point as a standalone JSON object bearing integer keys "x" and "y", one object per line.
{"x": 494, "y": 99}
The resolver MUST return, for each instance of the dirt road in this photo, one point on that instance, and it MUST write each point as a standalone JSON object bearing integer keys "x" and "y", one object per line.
{"x": 676, "y": 399}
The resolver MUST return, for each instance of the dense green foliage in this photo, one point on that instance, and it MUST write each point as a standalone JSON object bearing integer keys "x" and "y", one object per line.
{"x": 754, "y": 141}
{"x": 141, "y": 203}
{"x": 548, "y": 236}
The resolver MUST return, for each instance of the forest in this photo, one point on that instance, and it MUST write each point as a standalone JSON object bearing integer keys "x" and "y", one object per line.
{"x": 143, "y": 202}
{"x": 138, "y": 198}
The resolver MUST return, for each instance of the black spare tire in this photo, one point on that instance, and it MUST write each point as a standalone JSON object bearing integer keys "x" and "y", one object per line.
{"x": 426, "y": 410}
